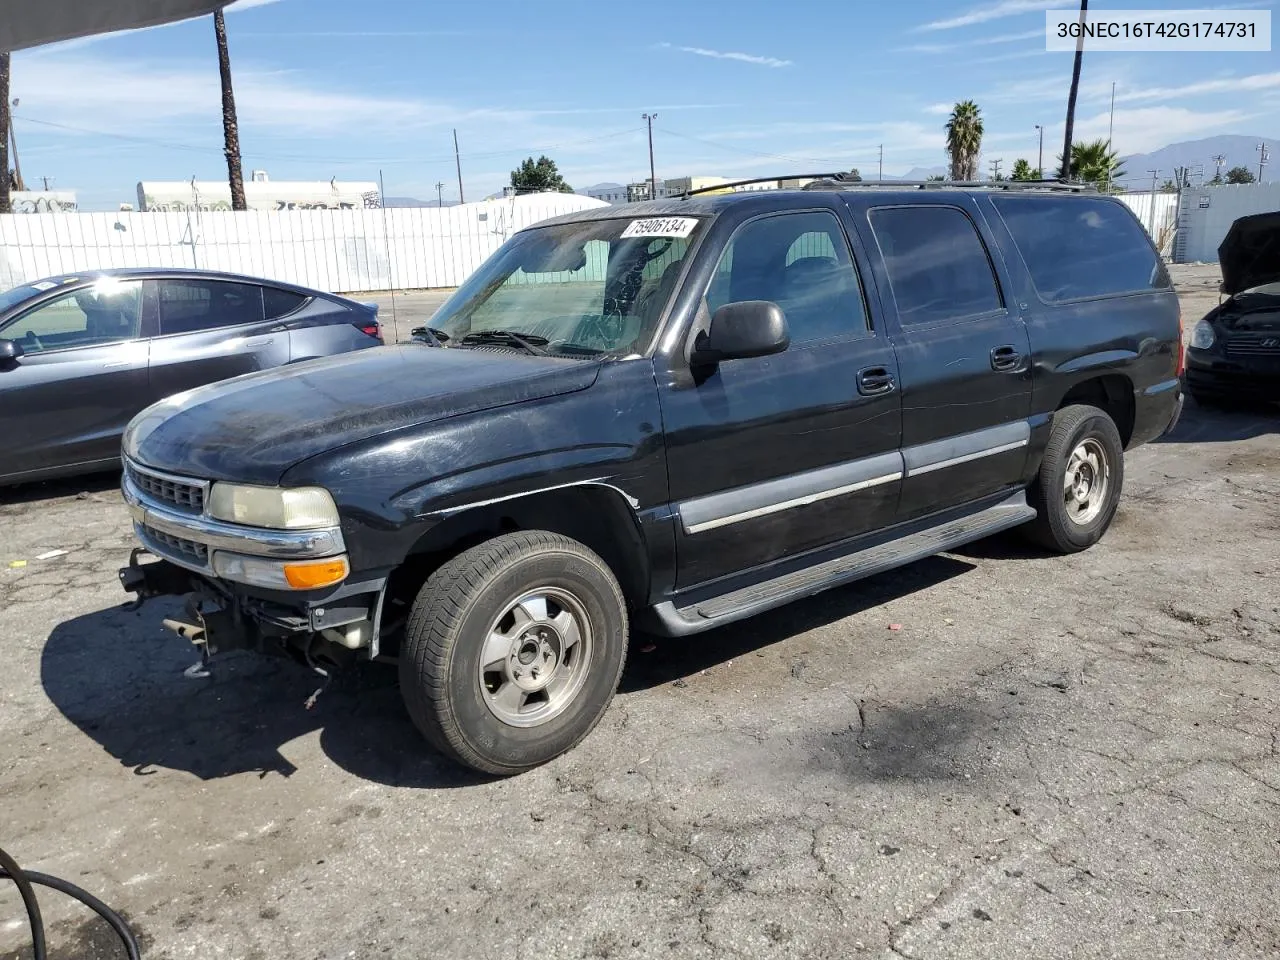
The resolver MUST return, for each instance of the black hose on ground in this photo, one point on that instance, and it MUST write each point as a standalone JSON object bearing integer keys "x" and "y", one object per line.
{"x": 24, "y": 879}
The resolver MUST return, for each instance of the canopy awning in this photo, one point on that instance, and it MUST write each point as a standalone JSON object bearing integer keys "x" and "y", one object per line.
{"x": 27, "y": 24}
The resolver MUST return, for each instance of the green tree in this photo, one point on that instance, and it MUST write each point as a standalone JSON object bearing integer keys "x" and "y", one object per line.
{"x": 1022, "y": 171}
{"x": 1240, "y": 175}
{"x": 1095, "y": 162}
{"x": 935, "y": 178}
{"x": 964, "y": 140}
{"x": 1168, "y": 187}
{"x": 854, "y": 175}
{"x": 538, "y": 176}
{"x": 1217, "y": 180}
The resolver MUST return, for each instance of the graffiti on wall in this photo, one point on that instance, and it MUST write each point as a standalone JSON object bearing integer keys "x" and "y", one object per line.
{"x": 43, "y": 201}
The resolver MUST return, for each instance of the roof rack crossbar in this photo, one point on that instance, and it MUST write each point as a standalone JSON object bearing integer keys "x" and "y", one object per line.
{"x": 839, "y": 181}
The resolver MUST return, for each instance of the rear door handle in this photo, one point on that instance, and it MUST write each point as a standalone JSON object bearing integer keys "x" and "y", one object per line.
{"x": 1005, "y": 358}
{"x": 873, "y": 381}
{"x": 116, "y": 364}
{"x": 260, "y": 342}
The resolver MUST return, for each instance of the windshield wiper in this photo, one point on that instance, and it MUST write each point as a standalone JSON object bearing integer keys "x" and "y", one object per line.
{"x": 530, "y": 343}
{"x": 436, "y": 338}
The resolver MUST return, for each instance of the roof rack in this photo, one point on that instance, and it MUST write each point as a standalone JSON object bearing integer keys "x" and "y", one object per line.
{"x": 840, "y": 181}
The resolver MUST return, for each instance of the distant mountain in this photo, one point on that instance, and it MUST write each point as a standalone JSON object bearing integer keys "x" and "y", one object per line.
{"x": 1240, "y": 151}
{"x": 393, "y": 202}
{"x": 921, "y": 173}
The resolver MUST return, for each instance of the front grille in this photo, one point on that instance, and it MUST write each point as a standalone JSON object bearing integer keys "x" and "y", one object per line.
{"x": 186, "y": 495}
{"x": 1253, "y": 345}
{"x": 182, "y": 547}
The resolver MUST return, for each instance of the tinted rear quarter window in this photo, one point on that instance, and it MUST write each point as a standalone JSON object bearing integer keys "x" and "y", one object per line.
{"x": 1078, "y": 247}
{"x": 279, "y": 302}
{"x": 937, "y": 263}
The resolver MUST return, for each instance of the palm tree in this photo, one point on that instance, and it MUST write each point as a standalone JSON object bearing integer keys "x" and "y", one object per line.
{"x": 964, "y": 140}
{"x": 4, "y": 133}
{"x": 1095, "y": 162}
{"x": 230, "y": 128}
{"x": 1075, "y": 88}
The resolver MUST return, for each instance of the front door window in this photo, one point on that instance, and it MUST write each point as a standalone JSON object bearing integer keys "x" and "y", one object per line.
{"x": 107, "y": 312}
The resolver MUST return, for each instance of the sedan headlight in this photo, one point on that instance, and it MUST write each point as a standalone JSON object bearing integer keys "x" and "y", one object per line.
{"x": 277, "y": 508}
{"x": 1202, "y": 336}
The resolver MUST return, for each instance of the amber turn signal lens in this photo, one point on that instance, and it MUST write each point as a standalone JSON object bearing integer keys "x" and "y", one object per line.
{"x": 316, "y": 573}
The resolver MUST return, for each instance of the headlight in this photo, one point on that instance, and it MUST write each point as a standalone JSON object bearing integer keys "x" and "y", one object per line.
{"x": 277, "y": 508}
{"x": 1202, "y": 336}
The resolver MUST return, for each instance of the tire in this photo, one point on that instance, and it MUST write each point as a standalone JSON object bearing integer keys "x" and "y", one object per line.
{"x": 1062, "y": 525}
{"x": 544, "y": 689}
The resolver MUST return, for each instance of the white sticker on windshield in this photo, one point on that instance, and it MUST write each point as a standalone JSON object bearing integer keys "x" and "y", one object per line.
{"x": 661, "y": 227}
{"x": 44, "y": 285}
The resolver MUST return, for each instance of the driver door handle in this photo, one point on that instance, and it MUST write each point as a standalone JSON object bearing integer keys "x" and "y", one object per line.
{"x": 116, "y": 364}
{"x": 1005, "y": 358}
{"x": 874, "y": 381}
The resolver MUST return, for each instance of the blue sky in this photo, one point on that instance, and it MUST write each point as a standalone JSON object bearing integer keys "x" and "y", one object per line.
{"x": 332, "y": 88}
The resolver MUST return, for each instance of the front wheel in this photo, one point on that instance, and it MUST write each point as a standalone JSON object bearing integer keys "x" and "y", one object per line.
{"x": 1078, "y": 487}
{"x": 513, "y": 651}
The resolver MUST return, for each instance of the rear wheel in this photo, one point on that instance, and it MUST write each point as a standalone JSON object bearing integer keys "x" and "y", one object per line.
{"x": 513, "y": 651}
{"x": 1081, "y": 475}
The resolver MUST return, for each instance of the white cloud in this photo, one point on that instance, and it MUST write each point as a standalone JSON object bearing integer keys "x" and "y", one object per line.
{"x": 246, "y": 5}
{"x": 1253, "y": 82}
{"x": 939, "y": 109}
{"x": 991, "y": 11}
{"x": 973, "y": 42}
{"x": 1149, "y": 128}
{"x": 732, "y": 55}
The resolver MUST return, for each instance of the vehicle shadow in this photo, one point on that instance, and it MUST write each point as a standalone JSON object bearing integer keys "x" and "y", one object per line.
{"x": 62, "y": 487}
{"x": 119, "y": 677}
{"x": 679, "y": 657}
{"x": 1206, "y": 425}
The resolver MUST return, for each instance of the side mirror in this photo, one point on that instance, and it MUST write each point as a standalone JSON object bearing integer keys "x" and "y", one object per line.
{"x": 10, "y": 350}
{"x": 749, "y": 328}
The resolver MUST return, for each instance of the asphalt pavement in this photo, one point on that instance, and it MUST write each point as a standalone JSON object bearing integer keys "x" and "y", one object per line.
{"x": 990, "y": 754}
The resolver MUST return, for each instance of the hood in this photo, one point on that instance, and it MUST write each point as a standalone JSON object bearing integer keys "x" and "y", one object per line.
{"x": 1250, "y": 252}
{"x": 255, "y": 427}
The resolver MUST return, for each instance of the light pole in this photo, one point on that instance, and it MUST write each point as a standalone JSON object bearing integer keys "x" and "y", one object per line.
{"x": 17, "y": 167}
{"x": 653, "y": 177}
{"x": 1263, "y": 156}
{"x": 881, "y": 177}
{"x": 1040, "y": 155}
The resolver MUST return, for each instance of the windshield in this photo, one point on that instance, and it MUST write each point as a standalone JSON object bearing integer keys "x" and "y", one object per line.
{"x": 575, "y": 289}
{"x": 11, "y": 298}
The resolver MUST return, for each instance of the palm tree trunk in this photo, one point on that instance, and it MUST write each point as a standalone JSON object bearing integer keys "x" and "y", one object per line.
{"x": 230, "y": 128}
{"x": 1065, "y": 173}
{"x": 5, "y": 204}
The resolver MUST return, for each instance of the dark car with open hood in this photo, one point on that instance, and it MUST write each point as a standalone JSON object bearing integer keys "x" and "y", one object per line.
{"x": 669, "y": 417}
{"x": 1234, "y": 353}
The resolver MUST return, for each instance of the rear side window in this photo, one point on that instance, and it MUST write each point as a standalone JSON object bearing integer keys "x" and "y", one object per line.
{"x": 937, "y": 263}
{"x": 280, "y": 302}
{"x": 1077, "y": 247}
{"x": 190, "y": 305}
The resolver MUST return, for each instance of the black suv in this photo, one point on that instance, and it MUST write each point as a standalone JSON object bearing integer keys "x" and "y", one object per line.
{"x": 672, "y": 415}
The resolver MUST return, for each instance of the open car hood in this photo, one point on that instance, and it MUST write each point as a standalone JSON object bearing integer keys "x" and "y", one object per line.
{"x": 1250, "y": 253}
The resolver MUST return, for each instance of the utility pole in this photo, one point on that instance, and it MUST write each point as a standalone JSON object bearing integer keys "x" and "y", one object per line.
{"x": 653, "y": 177}
{"x": 1065, "y": 172}
{"x": 1152, "y": 219}
{"x": 995, "y": 169}
{"x": 1111, "y": 122}
{"x": 46, "y": 184}
{"x": 439, "y": 193}
{"x": 5, "y": 122}
{"x": 1219, "y": 160}
{"x": 1040, "y": 155}
{"x": 457, "y": 157}
{"x": 881, "y": 177}
{"x": 1263, "y": 157}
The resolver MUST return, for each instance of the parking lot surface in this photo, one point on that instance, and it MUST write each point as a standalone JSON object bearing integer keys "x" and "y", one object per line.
{"x": 991, "y": 754}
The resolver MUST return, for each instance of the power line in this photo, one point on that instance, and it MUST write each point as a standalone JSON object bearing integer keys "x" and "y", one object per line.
{"x": 753, "y": 153}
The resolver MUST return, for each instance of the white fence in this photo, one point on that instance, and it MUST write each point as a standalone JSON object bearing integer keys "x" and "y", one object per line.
{"x": 1158, "y": 213}
{"x": 1208, "y": 212}
{"x": 334, "y": 250}
{"x": 337, "y": 250}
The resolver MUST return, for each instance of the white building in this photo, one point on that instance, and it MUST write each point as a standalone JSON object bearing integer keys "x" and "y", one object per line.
{"x": 260, "y": 193}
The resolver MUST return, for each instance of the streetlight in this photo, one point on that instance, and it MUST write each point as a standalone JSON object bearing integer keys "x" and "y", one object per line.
{"x": 13, "y": 141}
{"x": 1040, "y": 156}
{"x": 653, "y": 177}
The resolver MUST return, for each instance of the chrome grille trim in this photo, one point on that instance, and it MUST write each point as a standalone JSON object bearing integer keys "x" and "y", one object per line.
{"x": 181, "y": 493}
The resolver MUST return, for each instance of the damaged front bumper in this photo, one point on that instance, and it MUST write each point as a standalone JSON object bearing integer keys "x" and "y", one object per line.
{"x": 199, "y": 557}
